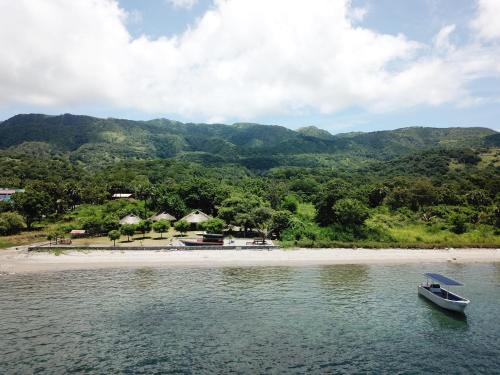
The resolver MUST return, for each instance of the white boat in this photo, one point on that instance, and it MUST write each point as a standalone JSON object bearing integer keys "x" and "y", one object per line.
{"x": 440, "y": 296}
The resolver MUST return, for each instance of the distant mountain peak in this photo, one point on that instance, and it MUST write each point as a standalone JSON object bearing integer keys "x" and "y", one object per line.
{"x": 313, "y": 131}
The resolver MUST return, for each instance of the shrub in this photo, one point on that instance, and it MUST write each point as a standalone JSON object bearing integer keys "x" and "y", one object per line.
{"x": 350, "y": 212}
{"x": 11, "y": 223}
{"x": 144, "y": 227}
{"x": 161, "y": 227}
{"x": 182, "y": 226}
{"x": 114, "y": 235}
{"x": 128, "y": 230}
{"x": 290, "y": 203}
{"x": 281, "y": 221}
{"x": 459, "y": 224}
{"x": 214, "y": 225}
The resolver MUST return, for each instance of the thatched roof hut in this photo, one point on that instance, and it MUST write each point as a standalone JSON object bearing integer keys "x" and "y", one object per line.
{"x": 130, "y": 219}
{"x": 196, "y": 217}
{"x": 163, "y": 216}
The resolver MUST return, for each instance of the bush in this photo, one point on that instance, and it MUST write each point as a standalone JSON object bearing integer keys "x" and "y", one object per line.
{"x": 350, "y": 212}
{"x": 144, "y": 227}
{"x": 281, "y": 221}
{"x": 215, "y": 225}
{"x": 161, "y": 227}
{"x": 459, "y": 224}
{"x": 114, "y": 235}
{"x": 11, "y": 223}
{"x": 182, "y": 226}
{"x": 128, "y": 230}
{"x": 290, "y": 203}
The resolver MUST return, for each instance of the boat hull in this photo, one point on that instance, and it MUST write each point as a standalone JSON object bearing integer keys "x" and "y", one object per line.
{"x": 201, "y": 243}
{"x": 452, "y": 305}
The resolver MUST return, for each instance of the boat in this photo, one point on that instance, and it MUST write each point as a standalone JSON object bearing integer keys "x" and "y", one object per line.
{"x": 208, "y": 239}
{"x": 440, "y": 296}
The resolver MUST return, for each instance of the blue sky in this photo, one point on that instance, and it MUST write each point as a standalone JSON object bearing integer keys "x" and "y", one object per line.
{"x": 340, "y": 65}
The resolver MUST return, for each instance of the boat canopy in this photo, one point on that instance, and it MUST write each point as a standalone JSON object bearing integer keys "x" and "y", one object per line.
{"x": 443, "y": 279}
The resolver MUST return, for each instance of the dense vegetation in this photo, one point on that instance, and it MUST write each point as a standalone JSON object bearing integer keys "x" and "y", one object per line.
{"x": 407, "y": 187}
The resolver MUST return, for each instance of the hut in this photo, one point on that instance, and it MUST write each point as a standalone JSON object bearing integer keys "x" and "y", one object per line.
{"x": 196, "y": 217}
{"x": 122, "y": 196}
{"x": 76, "y": 233}
{"x": 163, "y": 216}
{"x": 6, "y": 193}
{"x": 130, "y": 219}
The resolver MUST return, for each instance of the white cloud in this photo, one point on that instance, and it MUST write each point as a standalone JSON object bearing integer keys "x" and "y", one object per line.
{"x": 442, "y": 39}
{"x": 242, "y": 59}
{"x": 135, "y": 17}
{"x": 486, "y": 22}
{"x": 357, "y": 14}
{"x": 185, "y": 4}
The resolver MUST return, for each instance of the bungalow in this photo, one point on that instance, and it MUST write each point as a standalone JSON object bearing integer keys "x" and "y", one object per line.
{"x": 6, "y": 193}
{"x": 163, "y": 216}
{"x": 121, "y": 196}
{"x": 130, "y": 219}
{"x": 196, "y": 217}
{"x": 75, "y": 233}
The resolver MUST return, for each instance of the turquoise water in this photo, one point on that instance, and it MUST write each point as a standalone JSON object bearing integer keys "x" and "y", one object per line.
{"x": 336, "y": 319}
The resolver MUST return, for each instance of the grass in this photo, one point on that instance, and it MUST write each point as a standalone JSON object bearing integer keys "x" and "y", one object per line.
{"x": 306, "y": 211}
{"x": 24, "y": 238}
{"x": 491, "y": 157}
{"x": 57, "y": 251}
{"x": 482, "y": 236}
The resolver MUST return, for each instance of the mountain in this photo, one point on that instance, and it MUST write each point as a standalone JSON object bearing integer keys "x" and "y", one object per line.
{"x": 97, "y": 141}
{"x": 313, "y": 131}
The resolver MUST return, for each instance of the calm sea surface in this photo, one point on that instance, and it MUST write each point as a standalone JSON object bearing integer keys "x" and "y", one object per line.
{"x": 336, "y": 319}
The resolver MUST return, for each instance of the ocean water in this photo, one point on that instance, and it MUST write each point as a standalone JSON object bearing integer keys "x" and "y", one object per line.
{"x": 290, "y": 320}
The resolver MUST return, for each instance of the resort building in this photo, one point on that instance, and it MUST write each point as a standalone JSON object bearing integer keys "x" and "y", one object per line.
{"x": 163, "y": 216}
{"x": 76, "y": 233}
{"x": 6, "y": 193}
{"x": 130, "y": 219}
{"x": 121, "y": 196}
{"x": 196, "y": 217}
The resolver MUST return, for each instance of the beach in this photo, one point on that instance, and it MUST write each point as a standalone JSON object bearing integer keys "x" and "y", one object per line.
{"x": 21, "y": 261}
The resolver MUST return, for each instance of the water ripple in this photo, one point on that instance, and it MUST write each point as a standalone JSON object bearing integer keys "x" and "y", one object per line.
{"x": 337, "y": 319}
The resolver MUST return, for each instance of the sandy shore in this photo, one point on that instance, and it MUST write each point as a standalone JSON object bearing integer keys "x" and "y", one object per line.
{"x": 19, "y": 261}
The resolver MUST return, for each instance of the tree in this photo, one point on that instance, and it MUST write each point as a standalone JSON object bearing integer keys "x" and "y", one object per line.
{"x": 109, "y": 223}
{"x": 458, "y": 223}
{"x": 262, "y": 219}
{"x": 182, "y": 226}
{"x": 161, "y": 227}
{"x": 144, "y": 227}
{"x": 236, "y": 209}
{"x": 214, "y": 225}
{"x": 55, "y": 235}
{"x": 171, "y": 203}
{"x": 114, "y": 235}
{"x": 11, "y": 223}
{"x": 478, "y": 198}
{"x": 32, "y": 205}
{"x": 128, "y": 230}
{"x": 281, "y": 221}
{"x": 290, "y": 203}
{"x": 376, "y": 196}
{"x": 416, "y": 195}
{"x": 333, "y": 191}
{"x": 350, "y": 212}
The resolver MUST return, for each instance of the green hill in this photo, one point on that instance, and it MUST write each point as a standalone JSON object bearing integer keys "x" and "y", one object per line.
{"x": 96, "y": 141}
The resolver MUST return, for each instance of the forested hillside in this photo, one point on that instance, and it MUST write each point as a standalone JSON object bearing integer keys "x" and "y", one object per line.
{"x": 408, "y": 187}
{"x": 95, "y": 142}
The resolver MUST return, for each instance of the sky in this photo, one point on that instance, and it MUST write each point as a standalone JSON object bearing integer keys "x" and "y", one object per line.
{"x": 340, "y": 65}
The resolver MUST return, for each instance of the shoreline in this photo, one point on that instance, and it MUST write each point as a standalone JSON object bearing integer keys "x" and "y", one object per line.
{"x": 21, "y": 261}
